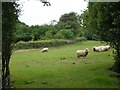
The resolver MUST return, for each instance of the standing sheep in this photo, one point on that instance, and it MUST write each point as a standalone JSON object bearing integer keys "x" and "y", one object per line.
{"x": 82, "y": 53}
{"x": 44, "y": 50}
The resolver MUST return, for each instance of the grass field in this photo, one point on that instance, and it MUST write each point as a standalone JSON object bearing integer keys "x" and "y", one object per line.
{"x": 60, "y": 68}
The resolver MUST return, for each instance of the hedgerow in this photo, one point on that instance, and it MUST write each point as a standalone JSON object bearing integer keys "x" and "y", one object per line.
{"x": 45, "y": 43}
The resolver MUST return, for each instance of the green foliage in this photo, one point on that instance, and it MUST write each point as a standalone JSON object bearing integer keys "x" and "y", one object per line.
{"x": 107, "y": 19}
{"x": 22, "y": 33}
{"x": 49, "y": 35}
{"x": 88, "y": 25}
{"x": 38, "y": 44}
{"x": 87, "y": 33}
{"x": 69, "y": 21}
{"x": 79, "y": 39}
{"x": 46, "y": 43}
{"x": 59, "y": 35}
{"x": 27, "y": 33}
{"x": 64, "y": 34}
{"x": 10, "y": 14}
{"x": 68, "y": 27}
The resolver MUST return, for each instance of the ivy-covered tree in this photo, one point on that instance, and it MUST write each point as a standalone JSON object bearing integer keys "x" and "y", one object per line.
{"x": 9, "y": 19}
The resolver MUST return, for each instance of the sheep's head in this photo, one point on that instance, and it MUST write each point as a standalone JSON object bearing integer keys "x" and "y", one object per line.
{"x": 108, "y": 46}
{"x": 94, "y": 48}
{"x": 86, "y": 50}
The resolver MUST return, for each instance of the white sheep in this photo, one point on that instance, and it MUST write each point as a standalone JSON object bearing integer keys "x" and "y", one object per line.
{"x": 101, "y": 48}
{"x": 82, "y": 53}
{"x": 107, "y": 47}
{"x": 96, "y": 49}
{"x": 44, "y": 50}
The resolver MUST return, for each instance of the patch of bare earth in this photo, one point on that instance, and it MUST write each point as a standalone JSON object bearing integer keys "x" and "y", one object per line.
{"x": 22, "y": 51}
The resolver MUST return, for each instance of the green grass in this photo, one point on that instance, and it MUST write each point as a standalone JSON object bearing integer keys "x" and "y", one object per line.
{"x": 56, "y": 69}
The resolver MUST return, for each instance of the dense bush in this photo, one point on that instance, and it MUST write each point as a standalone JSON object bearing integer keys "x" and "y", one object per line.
{"x": 64, "y": 34}
{"x": 45, "y": 43}
{"x": 38, "y": 44}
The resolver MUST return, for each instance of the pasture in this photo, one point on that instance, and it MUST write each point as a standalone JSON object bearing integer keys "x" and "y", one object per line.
{"x": 60, "y": 68}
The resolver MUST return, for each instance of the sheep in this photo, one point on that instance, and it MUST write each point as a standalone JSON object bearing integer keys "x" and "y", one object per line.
{"x": 82, "y": 53}
{"x": 101, "y": 48}
{"x": 96, "y": 49}
{"x": 44, "y": 50}
{"x": 107, "y": 47}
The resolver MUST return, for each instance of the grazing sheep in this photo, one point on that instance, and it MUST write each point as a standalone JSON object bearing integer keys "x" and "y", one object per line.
{"x": 101, "y": 48}
{"x": 44, "y": 50}
{"x": 82, "y": 53}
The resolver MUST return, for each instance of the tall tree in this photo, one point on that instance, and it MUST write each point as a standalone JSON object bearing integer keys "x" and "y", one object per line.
{"x": 108, "y": 23}
{"x": 9, "y": 19}
{"x": 23, "y": 32}
{"x": 69, "y": 21}
{"x": 86, "y": 26}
